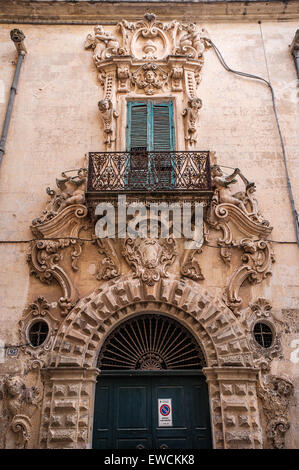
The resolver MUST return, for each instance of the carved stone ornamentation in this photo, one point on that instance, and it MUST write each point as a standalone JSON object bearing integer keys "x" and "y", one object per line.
{"x": 190, "y": 266}
{"x": 191, "y": 114}
{"x": 257, "y": 263}
{"x": 40, "y": 310}
{"x": 103, "y": 44}
{"x": 192, "y": 42}
{"x": 242, "y": 225}
{"x": 148, "y": 57}
{"x": 108, "y": 115}
{"x": 60, "y": 225}
{"x": 109, "y": 266}
{"x": 276, "y": 395}
{"x": 71, "y": 191}
{"x": 261, "y": 311}
{"x": 123, "y": 75}
{"x": 245, "y": 201}
{"x": 19, "y": 403}
{"x": 150, "y": 77}
{"x": 177, "y": 75}
{"x": 149, "y": 257}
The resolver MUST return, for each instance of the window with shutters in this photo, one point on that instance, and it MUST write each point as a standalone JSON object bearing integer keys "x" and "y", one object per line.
{"x": 150, "y": 141}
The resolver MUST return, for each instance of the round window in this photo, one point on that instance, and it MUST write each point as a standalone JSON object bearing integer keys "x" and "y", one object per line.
{"x": 38, "y": 333}
{"x": 263, "y": 334}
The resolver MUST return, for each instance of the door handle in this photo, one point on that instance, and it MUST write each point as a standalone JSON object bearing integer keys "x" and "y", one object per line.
{"x": 163, "y": 446}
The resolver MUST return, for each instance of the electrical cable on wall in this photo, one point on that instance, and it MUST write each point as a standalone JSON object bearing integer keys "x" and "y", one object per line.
{"x": 256, "y": 77}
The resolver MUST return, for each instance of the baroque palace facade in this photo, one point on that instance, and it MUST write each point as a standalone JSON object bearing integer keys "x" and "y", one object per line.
{"x": 164, "y": 339}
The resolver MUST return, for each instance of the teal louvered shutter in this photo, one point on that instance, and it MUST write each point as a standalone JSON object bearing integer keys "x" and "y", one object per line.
{"x": 150, "y": 127}
{"x": 138, "y": 125}
{"x": 163, "y": 141}
{"x": 162, "y": 126}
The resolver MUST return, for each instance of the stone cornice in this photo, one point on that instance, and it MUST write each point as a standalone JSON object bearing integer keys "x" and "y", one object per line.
{"x": 84, "y": 12}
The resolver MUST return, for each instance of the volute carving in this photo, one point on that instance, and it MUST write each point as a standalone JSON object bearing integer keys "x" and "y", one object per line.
{"x": 19, "y": 402}
{"x": 149, "y": 257}
{"x": 256, "y": 266}
{"x": 276, "y": 395}
{"x": 58, "y": 228}
{"x": 242, "y": 225}
{"x": 109, "y": 266}
{"x": 190, "y": 266}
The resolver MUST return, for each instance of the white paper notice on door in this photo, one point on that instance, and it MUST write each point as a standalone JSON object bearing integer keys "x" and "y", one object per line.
{"x": 164, "y": 412}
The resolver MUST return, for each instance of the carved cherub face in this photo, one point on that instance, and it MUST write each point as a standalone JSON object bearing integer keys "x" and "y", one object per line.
{"x": 283, "y": 387}
{"x": 196, "y": 103}
{"x": 149, "y": 76}
{"x": 99, "y": 29}
{"x": 104, "y": 105}
{"x": 216, "y": 171}
{"x": 191, "y": 28}
{"x": 14, "y": 386}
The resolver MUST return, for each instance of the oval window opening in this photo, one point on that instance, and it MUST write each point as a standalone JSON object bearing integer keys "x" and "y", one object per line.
{"x": 263, "y": 334}
{"x": 38, "y": 333}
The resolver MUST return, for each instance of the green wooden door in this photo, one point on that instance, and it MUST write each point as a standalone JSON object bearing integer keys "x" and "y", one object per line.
{"x": 127, "y": 412}
{"x": 150, "y": 139}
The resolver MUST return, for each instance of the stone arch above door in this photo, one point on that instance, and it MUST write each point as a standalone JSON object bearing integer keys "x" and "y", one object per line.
{"x": 83, "y": 331}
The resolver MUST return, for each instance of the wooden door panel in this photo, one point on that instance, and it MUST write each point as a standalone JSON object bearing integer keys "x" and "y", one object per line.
{"x": 132, "y": 406}
{"x": 126, "y": 413}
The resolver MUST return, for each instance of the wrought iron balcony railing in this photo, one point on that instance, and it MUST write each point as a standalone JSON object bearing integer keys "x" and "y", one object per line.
{"x": 149, "y": 171}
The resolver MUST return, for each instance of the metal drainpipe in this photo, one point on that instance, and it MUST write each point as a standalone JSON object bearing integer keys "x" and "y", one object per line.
{"x": 295, "y": 50}
{"x": 17, "y": 36}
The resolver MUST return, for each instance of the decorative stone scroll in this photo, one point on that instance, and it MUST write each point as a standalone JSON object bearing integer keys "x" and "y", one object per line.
{"x": 276, "y": 395}
{"x": 58, "y": 228}
{"x": 257, "y": 263}
{"x": 238, "y": 217}
{"x": 190, "y": 266}
{"x": 109, "y": 266}
{"x": 19, "y": 404}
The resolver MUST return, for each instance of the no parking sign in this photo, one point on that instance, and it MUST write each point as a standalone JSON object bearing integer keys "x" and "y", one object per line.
{"x": 165, "y": 411}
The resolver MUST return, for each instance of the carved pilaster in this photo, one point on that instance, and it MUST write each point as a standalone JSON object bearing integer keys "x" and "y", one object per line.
{"x": 67, "y": 411}
{"x": 234, "y": 407}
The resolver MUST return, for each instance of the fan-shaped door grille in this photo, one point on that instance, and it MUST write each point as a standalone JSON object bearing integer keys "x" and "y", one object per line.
{"x": 150, "y": 342}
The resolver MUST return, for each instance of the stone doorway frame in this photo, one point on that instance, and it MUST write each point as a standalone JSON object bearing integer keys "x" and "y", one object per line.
{"x": 69, "y": 381}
